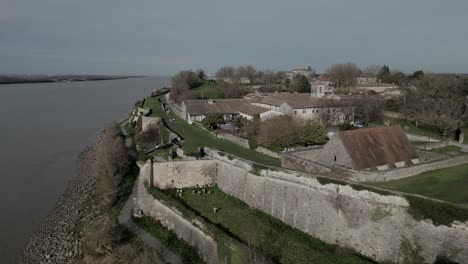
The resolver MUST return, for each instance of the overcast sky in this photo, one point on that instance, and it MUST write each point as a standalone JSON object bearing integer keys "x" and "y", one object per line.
{"x": 154, "y": 37}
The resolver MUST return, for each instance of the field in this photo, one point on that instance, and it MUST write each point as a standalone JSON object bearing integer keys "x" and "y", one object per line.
{"x": 168, "y": 238}
{"x": 412, "y": 128}
{"x": 208, "y": 90}
{"x": 270, "y": 236}
{"x": 447, "y": 149}
{"x": 196, "y": 137}
{"x": 449, "y": 184}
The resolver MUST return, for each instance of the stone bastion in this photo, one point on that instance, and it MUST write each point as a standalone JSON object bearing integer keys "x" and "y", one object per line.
{"x": 379, "y": 226}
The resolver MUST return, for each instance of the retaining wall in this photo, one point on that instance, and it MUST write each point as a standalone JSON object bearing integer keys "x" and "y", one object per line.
{"x": 374, "y": 225}
{"x": 193, "y": 232}
{"x": 291, "y": 161}
{"x": 236, "y": 140}
{"x": 268, "y": 152}
{"x": 183, "y": 174}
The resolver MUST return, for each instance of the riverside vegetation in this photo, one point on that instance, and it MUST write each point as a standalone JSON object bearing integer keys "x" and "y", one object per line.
{"x": 83, "y": 227}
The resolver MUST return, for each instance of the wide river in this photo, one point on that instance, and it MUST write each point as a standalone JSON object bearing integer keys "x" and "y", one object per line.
{"x": 43, "y": 128}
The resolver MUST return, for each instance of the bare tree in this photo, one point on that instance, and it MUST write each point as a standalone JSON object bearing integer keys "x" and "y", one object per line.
{"x": 437, "y": 100}
{"x": 370, "y": 109}
{"x": 181, "y": 84}
{"x": 232, "y": 90}
{"x": 371, "y": 70}
{"x": 343, "y": 75}
{"x": 225, "y": 72}
{"x": 112, "y": 162}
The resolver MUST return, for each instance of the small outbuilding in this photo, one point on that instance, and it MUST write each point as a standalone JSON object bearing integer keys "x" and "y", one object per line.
{"x": 369, "y": 148}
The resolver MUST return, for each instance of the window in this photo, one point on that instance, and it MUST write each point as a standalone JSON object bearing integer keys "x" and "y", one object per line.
{"x": 295, "y": 112}
{"x": 304, "y": 111}
{"x": 334, "y": 158}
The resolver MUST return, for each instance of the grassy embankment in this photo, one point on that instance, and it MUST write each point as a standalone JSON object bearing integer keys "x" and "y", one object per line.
{"x": 208, "y": 90}
{"x": 465, "y": 133}
{"x": 447, "y": 149}
{"x": 187, "y": 253}
{"x": 195, "y": 137}
{"x": 449, "y": 184}
{"x": 278, "y": 241}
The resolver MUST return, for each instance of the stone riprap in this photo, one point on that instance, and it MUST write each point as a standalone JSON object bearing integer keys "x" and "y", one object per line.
{"x": 56, "y": 240}
{"x": 377, "y": 226}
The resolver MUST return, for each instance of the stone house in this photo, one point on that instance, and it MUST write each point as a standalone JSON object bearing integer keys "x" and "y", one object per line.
{"x": 368, "y": 148}
{"x": 321, "y": 88}
{"x": 303, "y": 106}
{"x": 296, "y": 72}
{"x": 197, "y": 110}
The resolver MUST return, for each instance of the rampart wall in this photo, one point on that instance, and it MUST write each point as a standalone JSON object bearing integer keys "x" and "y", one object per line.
{"x": 378, "y": 226}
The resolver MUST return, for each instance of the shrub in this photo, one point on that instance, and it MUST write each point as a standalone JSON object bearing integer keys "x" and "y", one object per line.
{"x": 112, "y": 163}
{"x": 311, "y": 133}
{"x": 211, "y": 121}
{"x": 148, "y": 137}
{"x": 285, "y": 131}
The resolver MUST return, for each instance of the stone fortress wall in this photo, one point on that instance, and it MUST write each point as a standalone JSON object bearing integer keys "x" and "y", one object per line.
{"x": 377, "y": 226}
{"x": 193, "y": 232}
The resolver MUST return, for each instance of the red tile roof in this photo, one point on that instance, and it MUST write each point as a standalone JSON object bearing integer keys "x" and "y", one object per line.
{"x": 377, "y": 146}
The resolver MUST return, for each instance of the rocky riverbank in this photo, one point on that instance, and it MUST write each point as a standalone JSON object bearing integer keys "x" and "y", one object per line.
{"x": 58, "y": 238}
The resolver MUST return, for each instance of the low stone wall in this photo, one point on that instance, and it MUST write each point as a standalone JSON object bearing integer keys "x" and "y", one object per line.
{"x": 392, "y": 114}
{"x": 291, "y": 161}
{"x": 433, "y": 145}
{"x": 399, "y": 173}
{"x": 413, "y": 137}
{"x": 146, "y": 122}
{"x": 268, "y": 152}
{"x": 237, "y": 140}
{"x": 178, "y": 111}
{"x": 193, "y": 232}
{"x": 377, "y": 226}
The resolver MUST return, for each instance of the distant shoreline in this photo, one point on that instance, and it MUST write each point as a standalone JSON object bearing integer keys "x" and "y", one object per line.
{"x": 23, "y": 79}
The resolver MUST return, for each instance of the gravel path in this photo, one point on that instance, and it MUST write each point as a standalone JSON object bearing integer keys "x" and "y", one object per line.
{"x": 126, "y": 220}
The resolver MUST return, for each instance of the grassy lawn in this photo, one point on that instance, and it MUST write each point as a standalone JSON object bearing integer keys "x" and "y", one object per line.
{"x": 208, "y": 90}
{"x": 155, "y": 105}
{"x": 196, "y": 137}
{"x": 130, "y": 130}
{"x": 465, "y": 133}
{"x": 188, "y": 254}
{"x": 274, "y": 238}
{"x": 449, "y": 184}
{"x": 412, "y": 128}
{"x": 447, "y": 149}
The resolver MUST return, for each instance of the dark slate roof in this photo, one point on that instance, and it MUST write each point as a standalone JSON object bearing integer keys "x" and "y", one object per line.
{"x": 377, "y": 146}
{"x": 222, "y": 106}
{"x": 251, "y": 109}
{"x": 300, "y": 100}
